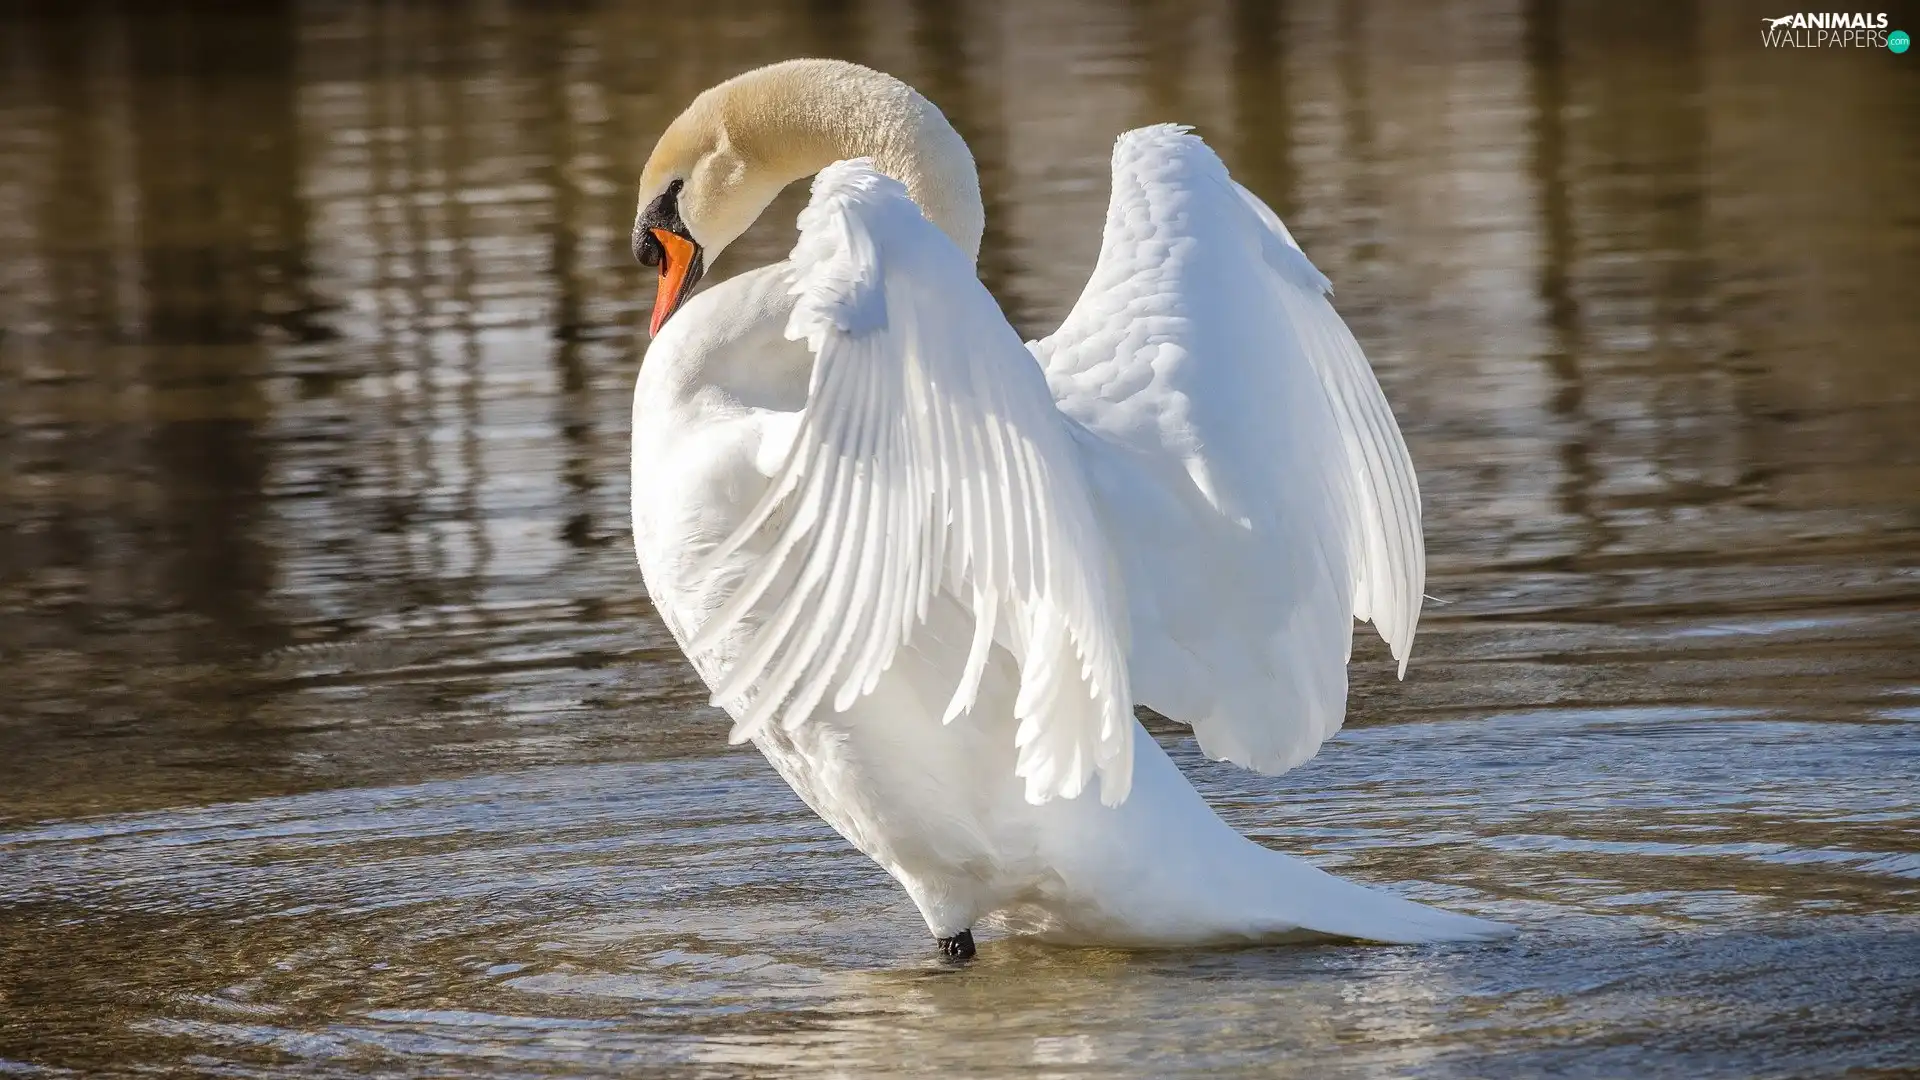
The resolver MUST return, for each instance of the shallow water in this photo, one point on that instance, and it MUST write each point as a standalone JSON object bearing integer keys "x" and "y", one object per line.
{"x": 338, "y": 738}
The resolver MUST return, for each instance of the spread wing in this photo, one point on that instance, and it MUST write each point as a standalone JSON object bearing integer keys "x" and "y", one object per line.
{"x": 931, "y": 458}
{"x": 1252, "y": 482}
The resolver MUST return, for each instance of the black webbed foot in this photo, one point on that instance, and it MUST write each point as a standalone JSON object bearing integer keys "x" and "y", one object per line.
{"x": 957, "y": 947}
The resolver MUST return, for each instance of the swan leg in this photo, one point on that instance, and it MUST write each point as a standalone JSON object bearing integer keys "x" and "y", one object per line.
{"x": 957, "y": 947}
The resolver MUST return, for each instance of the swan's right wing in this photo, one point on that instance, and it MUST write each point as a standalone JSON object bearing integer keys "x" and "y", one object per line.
{"x": 931, "y": 459}
{"x": 1255, "y": 486}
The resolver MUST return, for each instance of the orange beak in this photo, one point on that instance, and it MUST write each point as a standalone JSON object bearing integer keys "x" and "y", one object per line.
{"x": 674, "y": 269}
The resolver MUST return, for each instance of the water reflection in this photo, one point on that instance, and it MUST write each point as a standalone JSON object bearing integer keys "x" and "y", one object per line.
{"x": 337, "y": 726}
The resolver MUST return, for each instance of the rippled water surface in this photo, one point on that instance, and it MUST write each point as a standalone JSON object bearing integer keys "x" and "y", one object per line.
{"x": 337, "y": 736}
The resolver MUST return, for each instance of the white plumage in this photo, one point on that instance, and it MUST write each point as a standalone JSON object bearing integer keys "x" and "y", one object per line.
{"x": 929, "y": 459}
{"x": 1258, "y": 493}
{"x": 929, "y": 570}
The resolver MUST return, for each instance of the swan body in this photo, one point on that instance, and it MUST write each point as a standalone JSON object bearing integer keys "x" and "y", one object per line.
{"x": 929, "y": 570}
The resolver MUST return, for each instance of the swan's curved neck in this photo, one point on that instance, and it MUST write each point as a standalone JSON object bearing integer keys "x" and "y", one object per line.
{"x": 791, "y": 120}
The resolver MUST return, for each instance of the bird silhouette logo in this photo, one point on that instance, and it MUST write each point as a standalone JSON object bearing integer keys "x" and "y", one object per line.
{"x": 1774, "y": 24}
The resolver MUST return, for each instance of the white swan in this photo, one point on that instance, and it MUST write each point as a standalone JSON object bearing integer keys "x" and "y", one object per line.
{"x": 929, "y": 570}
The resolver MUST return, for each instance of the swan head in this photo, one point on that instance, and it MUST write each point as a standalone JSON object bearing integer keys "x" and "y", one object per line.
{"x": 722, "y": 161}
{"x": 698, "y": 193}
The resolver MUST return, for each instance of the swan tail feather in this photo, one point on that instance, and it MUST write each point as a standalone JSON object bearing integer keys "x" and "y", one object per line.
{"x": 1303, "y": 896}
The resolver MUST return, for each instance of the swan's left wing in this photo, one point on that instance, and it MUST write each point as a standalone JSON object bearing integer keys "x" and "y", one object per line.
{"x": 931, "y": 458}
{"x": 1255, "y": 489}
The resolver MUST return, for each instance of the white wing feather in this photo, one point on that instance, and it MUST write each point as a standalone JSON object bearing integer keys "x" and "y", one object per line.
{"x": 931, "y": 457}
{"x": 1253, "y": 484}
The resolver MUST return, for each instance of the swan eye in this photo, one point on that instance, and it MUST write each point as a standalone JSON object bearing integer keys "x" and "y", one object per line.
{"x": 663, "y": 212}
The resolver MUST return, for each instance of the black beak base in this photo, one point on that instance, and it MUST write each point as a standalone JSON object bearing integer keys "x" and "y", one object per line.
{"x": 677, "y": 282}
